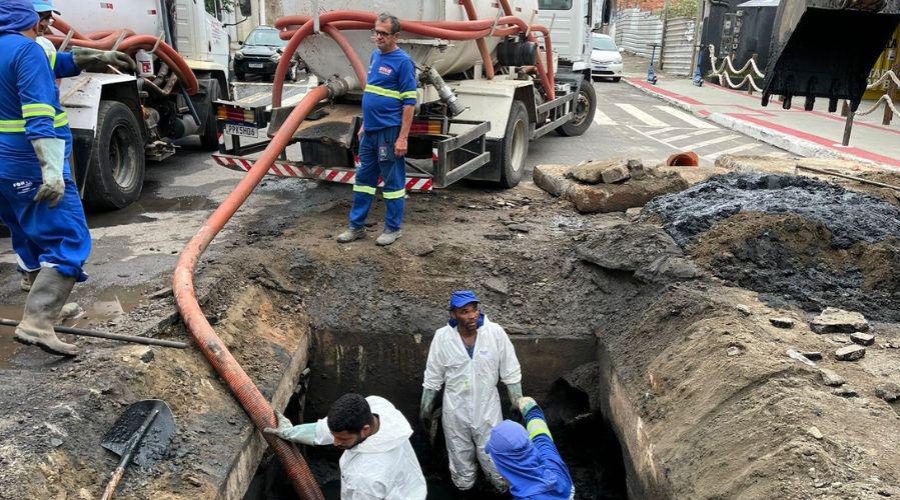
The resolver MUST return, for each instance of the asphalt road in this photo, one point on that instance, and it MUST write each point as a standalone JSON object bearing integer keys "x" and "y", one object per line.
{"x": 135, "y": 249}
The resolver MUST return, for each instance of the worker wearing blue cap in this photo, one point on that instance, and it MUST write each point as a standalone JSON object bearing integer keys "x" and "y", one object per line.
{"x": 467, "y": 357}
{"x": 528, "y": 459}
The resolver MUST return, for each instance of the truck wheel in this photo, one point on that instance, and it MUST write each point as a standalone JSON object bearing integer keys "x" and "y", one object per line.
{"x": 115, "y": 174}
{"x": 209, "y": 139}
{"x": 515, "y": 146}
{"x": 585, "y": 106}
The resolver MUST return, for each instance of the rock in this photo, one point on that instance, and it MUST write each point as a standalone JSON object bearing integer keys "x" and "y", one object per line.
{"x": 56, "y": 442}
{"x": 834, "y": 320}
{"x": 498, "y": 237}
{"x": 733, "y": 351}
{"x": 591, "y": 172}
{"x": 845, "y": 392}
{"x": 888, "y": 392}
{"x": 520, "y": 228}
{"x": 850, "y": 353}
{"x": 193, "y": 480}
{"x": 815, "y": 432}
{"x": 615, "y": 173}
{"x": 70, "y": 310}
{"x": 633, "y": 212}
{"x": 782, "y": 322}
{"x": 840, "y": 339}
{"x": 831, "y": 378}
{"x": 813, "y": 355}
{"x": 421, "y": 248}
{"x": 743, "y": 309}
{"x": 627, "y": 247}
{"x": 84, "y": 494}
{"x": 148, "y": 355}
{"x": 667, "y": 269}
{"x": 636, "y": 169}
{"x": 862, "y": 338}
{"x": 497, "y": 285}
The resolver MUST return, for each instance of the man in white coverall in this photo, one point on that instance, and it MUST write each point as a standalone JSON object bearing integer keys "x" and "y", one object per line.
{"x": 378, "y": 462}
{"x": 468, "y": 356}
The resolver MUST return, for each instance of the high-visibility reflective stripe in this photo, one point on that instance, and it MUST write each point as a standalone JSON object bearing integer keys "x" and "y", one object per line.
{"x": 393, "y": 195}
{"x": 536, "y": 427}
{"x": 60, "y": 120}
{"x": 30, "y": 110}
{"x": 11, "y": 128}
{"x": 364, "y": 189}
{"x": 53, "y": 60}
{"x": 382, "y": 91}
{"x": 408, "y": 95}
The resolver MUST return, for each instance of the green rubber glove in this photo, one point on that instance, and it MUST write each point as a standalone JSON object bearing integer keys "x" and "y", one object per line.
{"x": 51, "y": 154}
{"x": 303, "y": 433}
{"x": 429, "y": 396}
{"x": 96, "y": 61}
{"x": 515, "y": 392}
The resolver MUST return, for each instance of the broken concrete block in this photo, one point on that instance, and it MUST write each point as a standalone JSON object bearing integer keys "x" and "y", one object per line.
{"x": 552, "y": 178}
{"x": 831, "y": 378}
{"x": 845, "y": 392}
{"x": 636, "y": 169}
{"x": 850, "y": 353}
{"x": 628, "y": 247}
{"x": 815, "y": 432}
{"x": 888, "y": 392}
{"x": 615, "y": 173}
{"x": 813, "y": 355}
{"x": 591, "y": 172}
{"x": 497, "y": 285}
{"x": 834, "y": 320}
{"x": 782, "y": 322}
{"x": 862, "y": 338}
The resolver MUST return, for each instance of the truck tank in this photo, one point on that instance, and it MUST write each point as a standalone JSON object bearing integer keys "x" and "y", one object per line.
{"x": 826, "y": 48}
{"x": 325, "y": 59}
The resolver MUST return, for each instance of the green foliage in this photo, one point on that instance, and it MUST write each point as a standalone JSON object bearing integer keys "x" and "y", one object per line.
{"x": 682, "y": 8}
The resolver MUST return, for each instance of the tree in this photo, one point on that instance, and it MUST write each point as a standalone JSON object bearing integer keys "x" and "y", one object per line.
{"x": 223, "y": 6}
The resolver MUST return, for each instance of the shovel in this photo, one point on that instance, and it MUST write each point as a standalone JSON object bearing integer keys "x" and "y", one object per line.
{"x": 140, "y": 435}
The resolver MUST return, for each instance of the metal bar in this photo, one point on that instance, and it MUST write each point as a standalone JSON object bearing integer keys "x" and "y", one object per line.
{"x": 466, "y": 137}
{"x": 559, "y": 122}
{"x": 849, "y": 177}
{"x": 465, "y": 169}
{"x": 119, "y": 40}
{"x": 848, "y": 127}
{"x": 549, "y": 105}
{"x": 66, "y": 41}
{"x": 109, "y": 336}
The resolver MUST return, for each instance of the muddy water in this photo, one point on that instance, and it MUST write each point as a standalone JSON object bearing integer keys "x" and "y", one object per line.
{"x": 8, "y": 346}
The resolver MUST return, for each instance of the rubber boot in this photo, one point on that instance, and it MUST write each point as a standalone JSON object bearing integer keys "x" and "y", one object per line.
{"x": 45, "y": 301}
{"x": 27, "y": 279}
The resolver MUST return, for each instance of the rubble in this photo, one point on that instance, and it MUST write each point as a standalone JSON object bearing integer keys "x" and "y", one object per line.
{"x": 862, "y": 338}
{"x": 834, "y": 320}
{"x": 845, "y": 392}
{"x": 782, "y": 322}
{"x": 815, "y": 432}
{"x": 889, "y": 392}
{"x": 830, "y": 378}
{"x": 643, "y": 249}
{"x": 850, "y": 353}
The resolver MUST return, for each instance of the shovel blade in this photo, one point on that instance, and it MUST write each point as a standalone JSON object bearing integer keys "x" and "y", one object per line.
{"x": 154, "y": 443}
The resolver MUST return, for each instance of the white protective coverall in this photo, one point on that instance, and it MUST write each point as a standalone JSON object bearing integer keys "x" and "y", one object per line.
{"x": 471, "y": 404}
{"x": 384, "y": 466}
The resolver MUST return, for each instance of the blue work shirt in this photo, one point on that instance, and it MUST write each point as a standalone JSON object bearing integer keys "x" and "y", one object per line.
{"x": 391, "y": 84}
{"x": 550, "y": 461}
{"x": 29, "y": 108}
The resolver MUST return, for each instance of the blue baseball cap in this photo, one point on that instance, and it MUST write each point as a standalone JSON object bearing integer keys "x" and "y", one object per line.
{"x": 16, "y": 16}
{"x": 44, "y": 6}
{"x": 461, "y": 298}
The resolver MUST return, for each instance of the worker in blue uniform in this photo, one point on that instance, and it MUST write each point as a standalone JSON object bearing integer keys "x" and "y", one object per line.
{"x": 389, "y": 102}
{"x": 528, "y": 459}
{"x": 39, "y": 202}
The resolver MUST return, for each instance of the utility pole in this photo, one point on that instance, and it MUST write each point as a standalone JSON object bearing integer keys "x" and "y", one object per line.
{"x": 698, "y": 32}
{"x": 262, "y": 12}
{"x": 665, "y": 24}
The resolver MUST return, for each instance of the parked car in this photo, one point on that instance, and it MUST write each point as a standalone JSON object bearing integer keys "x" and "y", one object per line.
{"x": 606, "y": 61}
{"x": 259, "y": 55}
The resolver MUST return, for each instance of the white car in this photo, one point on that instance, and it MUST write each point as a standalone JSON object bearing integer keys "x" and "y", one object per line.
{"x": 606, "y": 61}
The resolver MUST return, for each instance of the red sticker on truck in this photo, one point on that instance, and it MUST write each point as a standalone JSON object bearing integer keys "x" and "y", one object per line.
{"x": 106, "y": 5}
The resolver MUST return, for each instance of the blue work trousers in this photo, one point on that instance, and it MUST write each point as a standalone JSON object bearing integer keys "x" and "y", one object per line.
{"x": 377, "y": 159}
{"x": 42, "y": 236}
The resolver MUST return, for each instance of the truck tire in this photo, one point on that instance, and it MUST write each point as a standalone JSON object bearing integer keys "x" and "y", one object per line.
{"x": 209, "y": 138}
{"x": 585, "y": 106}
{"x": 115, "y": 173}
{"x": 515, "y": 146}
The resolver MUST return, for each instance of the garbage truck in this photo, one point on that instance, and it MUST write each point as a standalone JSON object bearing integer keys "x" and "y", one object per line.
{"x": 491, "y": 79}
{"x": 119, "y": 121}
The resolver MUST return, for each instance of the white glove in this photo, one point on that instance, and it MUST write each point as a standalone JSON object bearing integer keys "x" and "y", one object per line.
{"x": 303, "y": 434}
{"x": 52, "y": 155}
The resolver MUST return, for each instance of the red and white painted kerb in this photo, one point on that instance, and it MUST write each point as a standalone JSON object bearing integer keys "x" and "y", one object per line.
{"x": 339, "y": 175}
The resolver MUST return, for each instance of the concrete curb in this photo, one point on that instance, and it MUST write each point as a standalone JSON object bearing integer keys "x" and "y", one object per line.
{"x": 787, "y": 142}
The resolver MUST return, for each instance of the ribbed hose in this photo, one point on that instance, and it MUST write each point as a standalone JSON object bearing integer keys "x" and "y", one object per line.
{"x": 481, "y": 42}
{"x": 253, "y": 402}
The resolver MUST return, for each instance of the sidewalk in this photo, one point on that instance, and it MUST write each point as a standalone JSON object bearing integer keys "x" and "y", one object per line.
{"x": 814, "y": 133}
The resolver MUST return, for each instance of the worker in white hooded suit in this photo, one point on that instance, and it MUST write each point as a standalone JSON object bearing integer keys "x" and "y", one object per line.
{"x": 468, "y": 357}
{"x": 378, "y": 461}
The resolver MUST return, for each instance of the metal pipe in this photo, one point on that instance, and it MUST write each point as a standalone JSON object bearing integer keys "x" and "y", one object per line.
{"x": 849, "y": 177}
{"x": 109, "y": 336}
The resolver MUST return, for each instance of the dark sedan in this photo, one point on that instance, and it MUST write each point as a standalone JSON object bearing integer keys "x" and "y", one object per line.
{"x": 260, "y": 53}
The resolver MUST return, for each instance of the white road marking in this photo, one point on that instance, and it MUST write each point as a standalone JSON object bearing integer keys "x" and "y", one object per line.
{"x": 600, "y": 118}
{"x": 690, "y": 134}
{"x": 661, "y": 130}
{"x": 736, "y": 149}
{"x": 681, "y": 115}
{"x": 710, "y": 142}
{"x": 642, "y": 116}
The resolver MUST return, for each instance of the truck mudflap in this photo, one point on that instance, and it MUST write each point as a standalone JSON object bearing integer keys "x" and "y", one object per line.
{"x": 415, "y": 183}
{"x": 826, "y": 48}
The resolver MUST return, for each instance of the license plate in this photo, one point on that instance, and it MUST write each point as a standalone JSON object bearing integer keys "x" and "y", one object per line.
{"x": 241, "y": 130}
{"x": 256, "y": 65}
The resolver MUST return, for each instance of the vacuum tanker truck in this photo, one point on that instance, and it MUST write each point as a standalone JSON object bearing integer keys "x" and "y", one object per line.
{"x": 490, "y": 81}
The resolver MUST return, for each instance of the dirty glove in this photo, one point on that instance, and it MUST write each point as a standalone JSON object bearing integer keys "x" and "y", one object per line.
{"x": 525, "y": 405}
{"x": 97, "y": 61}
{"x": 51, "y": 154}
{"x": 303, "y": 434}
{"x": 427, "y": 407}
{"x": 515, "y": 392}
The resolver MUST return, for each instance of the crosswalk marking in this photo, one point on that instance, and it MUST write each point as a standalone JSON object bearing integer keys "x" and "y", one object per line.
{"x": 736, "y": 149}
{"x": 712, "y": 141}
{"x": 600, "y": 118}
{"x": 681, "y": 115}
{"x": 690, "y": 134}
{"x": 640, "y": 115}
{"x": 661, "y": 130}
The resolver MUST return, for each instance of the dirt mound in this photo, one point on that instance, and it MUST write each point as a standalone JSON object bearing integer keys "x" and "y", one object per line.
{"x": 790, "y": 258}
{"x": 850, "y": 217}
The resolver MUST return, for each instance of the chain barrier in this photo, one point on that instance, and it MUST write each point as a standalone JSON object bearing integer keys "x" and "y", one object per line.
{"x": 728, "y": 64}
